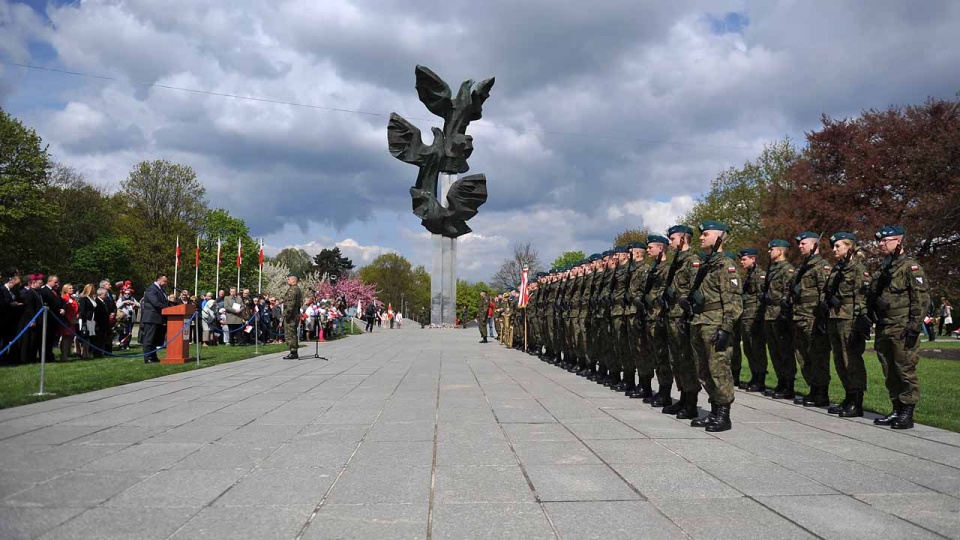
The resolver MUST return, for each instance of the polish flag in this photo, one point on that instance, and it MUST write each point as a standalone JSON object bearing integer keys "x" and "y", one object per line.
{"x": 524, "y": 295}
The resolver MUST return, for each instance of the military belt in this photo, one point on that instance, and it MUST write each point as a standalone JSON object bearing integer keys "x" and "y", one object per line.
{"x": 712, "y": 306}
{"x": 808, "y": 300}
{"x": 897, "y": 312}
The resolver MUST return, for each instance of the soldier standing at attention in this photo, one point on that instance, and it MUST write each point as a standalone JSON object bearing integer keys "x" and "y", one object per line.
{"x": 655, "y": 322}
{"x": 845, "y": 302}
{"x": 751, "y": 322}
{"x": 483, "y": 313}
{"x": 898, "y": 297}
{"x": 686, "y": 264}
{"x": 812, "y": 348}
{"x": 775, "y": 327}
{"x": 636, "y": 344}
{"x": 714, "y": 300}
{"x": 292, "y": 300}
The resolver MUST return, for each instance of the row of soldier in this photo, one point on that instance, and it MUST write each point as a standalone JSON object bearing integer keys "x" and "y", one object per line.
{"x": 660, "y": 309}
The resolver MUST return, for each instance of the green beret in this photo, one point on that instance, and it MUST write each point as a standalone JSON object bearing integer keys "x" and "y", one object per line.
{"x": 607, "y": 253}
{"x": 621, "y": 249}
{"x": 657, "y": 239}
{"x": 711, "y": 225}
{"x": 806, "y": 234}
{"x": 677, "y": 229}
{"x": 843, "y": 236}
{"x": 890, "y": 230}
{"x": 748, "y": 251}
{"x": 778, "y": 243}
{"x": 637, "y": 245}
{"x": 294, "y": 274}
{"x": 541, "y": 274}
{"x": 595, "y": 257}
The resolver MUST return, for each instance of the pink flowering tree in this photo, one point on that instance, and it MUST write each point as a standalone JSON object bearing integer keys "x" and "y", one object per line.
{"x": 352, "y": 288}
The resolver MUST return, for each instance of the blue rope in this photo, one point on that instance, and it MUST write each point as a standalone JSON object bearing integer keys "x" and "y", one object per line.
{"x": 22, "y": 332}
{"x": 107, "y": 353}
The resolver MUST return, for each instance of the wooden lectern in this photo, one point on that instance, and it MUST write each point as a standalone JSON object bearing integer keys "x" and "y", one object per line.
{"x": 178, "y": 350}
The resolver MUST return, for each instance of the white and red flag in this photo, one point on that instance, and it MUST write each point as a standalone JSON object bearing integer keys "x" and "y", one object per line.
{"x": 524, "y": 296}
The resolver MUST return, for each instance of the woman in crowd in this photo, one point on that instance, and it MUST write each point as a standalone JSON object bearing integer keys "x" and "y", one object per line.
{"x": 70, "y": 312}
{"x": 129, "y": 306}
{"x": 102, "y": 323}
{"x": 946, "y": 316}
{"x": 87, "y": 304}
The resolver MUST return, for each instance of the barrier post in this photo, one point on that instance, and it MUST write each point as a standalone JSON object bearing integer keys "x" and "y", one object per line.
{"x": 43, "y": 353}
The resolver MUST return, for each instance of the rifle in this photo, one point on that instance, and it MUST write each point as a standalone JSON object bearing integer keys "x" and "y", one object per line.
{"x": 876, "y": 305}
{"x": 693, "y": 303}
{"x": 786, "y": 304}
{"x": 645, "y": 303}
{"x": 832, "y": 299}
{"x": 669, "y": 293}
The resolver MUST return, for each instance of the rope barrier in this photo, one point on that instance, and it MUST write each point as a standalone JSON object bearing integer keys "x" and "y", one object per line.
{"x": 64, "y": 324}
{"x": 22, "y": 332}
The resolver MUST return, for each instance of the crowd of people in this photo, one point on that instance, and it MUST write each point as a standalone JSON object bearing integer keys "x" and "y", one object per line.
{"x": 660, "y": 309}
{"x": 92, "y": 321}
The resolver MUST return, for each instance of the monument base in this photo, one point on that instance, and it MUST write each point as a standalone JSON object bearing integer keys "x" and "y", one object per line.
{"x": 443, "y": 282}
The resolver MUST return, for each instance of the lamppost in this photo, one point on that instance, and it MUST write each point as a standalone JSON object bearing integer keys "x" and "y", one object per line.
{"x": 401, "y": 306}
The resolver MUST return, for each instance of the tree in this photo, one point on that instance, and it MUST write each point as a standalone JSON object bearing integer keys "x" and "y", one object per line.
{"x": 397, "y": 281}
{"x": 354, "y": 289}
{"x": 274, "y": 278}
{"x": 631, "y": 235}
{"x": 568, "y": 257}
{"x": 897, "y": 166}
{"x": 160, "y": 201}
{"x": 332, "y": 263}
{"x": 737, "y": 196}
{"x": 219, "y": 224}
{"x": 297, "y": 260}
{"x": 509, "y": 274}
{"x": 468, "y": 296}
{"x": 24, "y": 163}
{"x": 107, "y": 256}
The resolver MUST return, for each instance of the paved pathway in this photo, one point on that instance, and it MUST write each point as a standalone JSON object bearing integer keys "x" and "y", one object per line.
{"x": 427, "y": 434}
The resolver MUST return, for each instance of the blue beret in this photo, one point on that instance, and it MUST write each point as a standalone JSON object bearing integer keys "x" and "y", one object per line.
{"x": 678, "y": 229}
{"x": 711, "y": 225}
{"x": 621, "y": 249}
{"x": 607, "y": 253}
{"x": 541, "y": 274}
{"x": 637, "y": 245}
{"x": 294, "y": 274}
{"x": 890, "y": 230}
{"x": 748, "y": 251}
{"x": 843, "y": 236}
{"x": 806, "y": 234}
{"x": 778, "y": 243}
{"x": 657, "y": 239}
{"x": 595, "y": 257}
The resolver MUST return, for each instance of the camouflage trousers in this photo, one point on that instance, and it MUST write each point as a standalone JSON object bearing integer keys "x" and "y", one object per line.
{"x": 780, "y": 345}
{"x": 754, "y": 345}
{"x": 682, "y": 355}
{"x": 736, "y": 357}
{"x": 503, "y": 330}
{"x": 847, "y": 354}
{"x": 290, "y": 334}
{"x": 812, "y": 353}
{"x": 483, "y": 328}
{"x": 899, "y": 364}
{"x": 580, "y": 339}
{"x": 713, "y": 367}
{"x": 599, "y": 339}
{"x": 659, "y": 354}
{"x": 618, "y": 343}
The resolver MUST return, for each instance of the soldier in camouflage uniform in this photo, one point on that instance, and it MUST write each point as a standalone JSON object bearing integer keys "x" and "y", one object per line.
{"x": 845, "y": 302}
{"x": 751, "y": 322}
{"x": 898, "y": 296}
{"x": 715, "y": 305}
{"x": 620, "y": 349}
{"x": 655, "y": 331}
{"x": 604, "y": 335}
{"x": 506, "y": 314}
{"x": 637, "y": 344}
{"x": 569, "y": 338}
{"x": 811, "y": 346}
{"x": 292, "y": 301}
{"x": 579, "y": 360}
{"x": 775, "y": 327}
{"x": 736, "y": 339}
{"x": 597, "y": 322}
{"x": 586, "y": 321}
{"x": 682, "y": 357}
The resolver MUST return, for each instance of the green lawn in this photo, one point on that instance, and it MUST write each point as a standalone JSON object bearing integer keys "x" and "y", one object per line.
{"x": 939, "y": 382}
{"x": 19, "y": 383}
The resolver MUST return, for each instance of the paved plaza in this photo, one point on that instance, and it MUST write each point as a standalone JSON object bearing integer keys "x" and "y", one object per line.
{"x": 427, "y": 434}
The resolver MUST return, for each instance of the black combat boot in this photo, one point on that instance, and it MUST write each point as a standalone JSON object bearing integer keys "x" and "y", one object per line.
{"x": 786, "y": 391}
{"x": 612, "y": 378}
{"x": 888, "y": 419}
{"x": 689, "y": 410}
{"x": 905, "y": 420}
{"x": 838, "y": 407}
{"x": 758, "y": 384}
{"x": 736, "y": 379}
{"x": 854, "y": 407}
{"x": 772, "y": 391}
{"x": 292, "y": 356}
{"x": 629, "y": 380}
{"x": 706, "y": 420}
{"x": 819, "y": 397}
{"x": 722, "y": 420}
{"x": 595, "y": 373}
{"x": 798, "y": 398}
{"x": 663, "y": 399}
{"x": 642, "y": 389}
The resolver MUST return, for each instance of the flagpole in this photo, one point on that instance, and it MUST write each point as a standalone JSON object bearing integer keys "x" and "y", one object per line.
{"x": 196, "y": 272}
{"x": 259, "y": 292}
{"x": 260, "y": 278}
{"x": 216, "y": 292}
{"x": 239, "y": 259}
{"x": 176, "y": 264}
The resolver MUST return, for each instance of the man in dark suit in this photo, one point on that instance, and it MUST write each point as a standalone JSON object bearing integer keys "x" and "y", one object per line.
{"x": 32, "y": 303}
{"x": 10, "y": 308}
{"x": 51, "y": 298}
{"x": 151, "y": 320}
{"x": 110, "y": 303}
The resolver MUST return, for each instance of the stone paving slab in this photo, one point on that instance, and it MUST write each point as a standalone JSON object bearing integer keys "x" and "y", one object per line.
{"x": 428, "y": 434}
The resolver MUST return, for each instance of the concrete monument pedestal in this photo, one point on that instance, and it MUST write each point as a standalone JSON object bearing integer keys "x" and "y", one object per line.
{"x": 443, "y": 275}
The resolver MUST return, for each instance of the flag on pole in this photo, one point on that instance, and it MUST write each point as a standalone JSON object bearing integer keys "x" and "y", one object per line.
{"x": 178, "y": 251}
{"x": 219, "y": 252}
{"x": 239, "y": 257}
{"x": 196, "y": 261}
{"x": 261, "y": 253}
{"x": 524, "y": 295}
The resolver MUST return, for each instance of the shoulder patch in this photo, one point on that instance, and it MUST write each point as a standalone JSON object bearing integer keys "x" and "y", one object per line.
{"x": 915, "y": 268}
{"x": 866, "y": 274}
{"x": 920, "y": 280}
{"x": 696, "y": 264}
{"x": 735, "y": 283}
{"x": 763, "y": 276}
{"x": 826, "y": 267}
{"x": 731, "y": 270}
{"x": 789, "y": 270}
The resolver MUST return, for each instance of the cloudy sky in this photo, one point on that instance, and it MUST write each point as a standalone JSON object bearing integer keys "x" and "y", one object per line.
{"x": 605, "y": 115}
